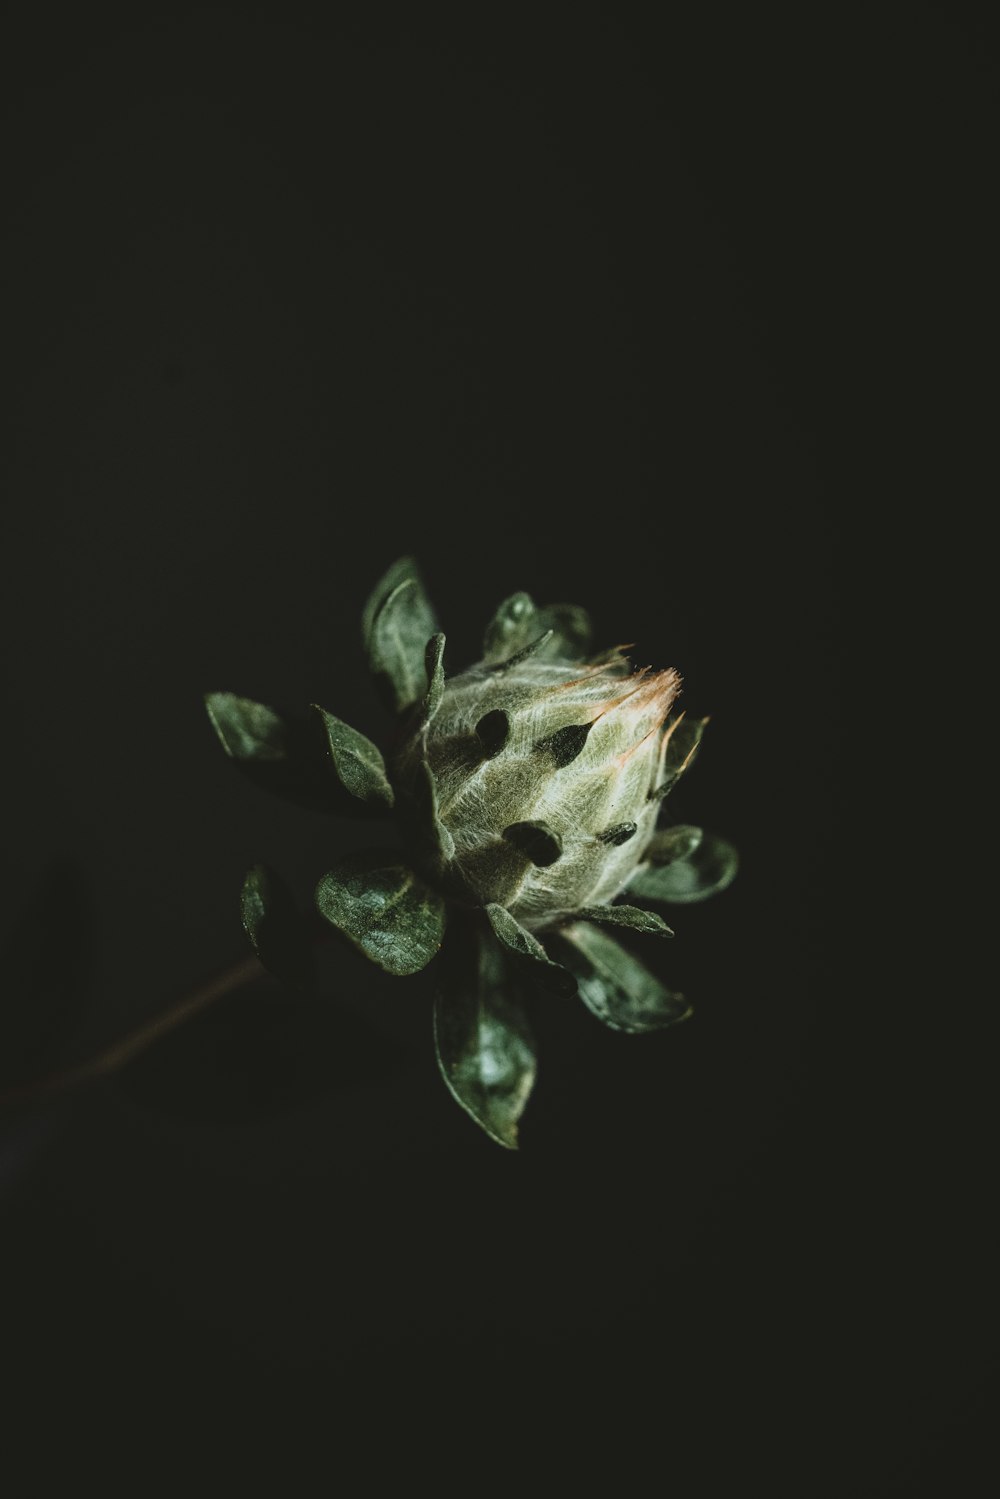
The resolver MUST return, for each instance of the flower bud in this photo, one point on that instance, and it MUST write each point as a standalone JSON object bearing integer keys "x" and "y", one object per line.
{"x": 546, "y": 776}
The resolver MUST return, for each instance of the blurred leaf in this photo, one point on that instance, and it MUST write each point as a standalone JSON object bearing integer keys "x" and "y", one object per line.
{"x": 398, "y": 621}
{"x": 247, "y": 730}
{"x": 669, "y": 844}
{"x": 402, "y": 569}
{"x": 358, "y": 762}
{"x": 570, "y": 625}
{"x": 709, "y": 868}
{"x": 527, "y": 949}
{"x": 275, "y": 926}
{"x": 633, "y": 917}
{"x": 615, "y": 986}
{"x": 385, "y": 910}
{"x": 511, "y": 627}
{"x": 483, "y": 1043}
{"x": 518, "y": 623}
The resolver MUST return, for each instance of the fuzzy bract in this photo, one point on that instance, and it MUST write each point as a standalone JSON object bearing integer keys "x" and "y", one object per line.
{"x": 546, "y": 776}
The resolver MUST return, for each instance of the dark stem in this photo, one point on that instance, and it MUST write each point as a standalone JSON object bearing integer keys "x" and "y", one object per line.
{"x": 121, "y": 1052}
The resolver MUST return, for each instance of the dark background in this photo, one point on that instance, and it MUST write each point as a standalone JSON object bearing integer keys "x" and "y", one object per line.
{"x": 621, "y": 306}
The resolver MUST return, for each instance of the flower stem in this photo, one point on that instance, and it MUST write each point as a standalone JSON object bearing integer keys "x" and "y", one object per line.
{"x": 122, "y": 1051}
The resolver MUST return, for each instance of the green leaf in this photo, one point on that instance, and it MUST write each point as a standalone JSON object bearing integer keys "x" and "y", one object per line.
{"x": 633, "y": 917}
{"x": 276, "y": 928}
{"x": 616, "y": 987}
{"x": 385, "y": 910}
{"x": 434, "y": 665}
{"x": 483, "y": 1043}
{"x": 708, "y": 869}
{"x": 527, "y": 949}
{"x": 247, "y": 730}
{"x": 397, "y": 623}
{"x": 518, "y": 624}
{"x": 681, "y": 748}
{"x": 536, "y": 648}
{"x": 401, "y": 569}
{"x": 668, "y": 844}
{"x": 357, "y": 761}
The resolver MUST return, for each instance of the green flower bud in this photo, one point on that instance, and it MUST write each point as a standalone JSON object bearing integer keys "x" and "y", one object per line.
{"x": 527, "y": 790}
{"x": 546, "y": 776}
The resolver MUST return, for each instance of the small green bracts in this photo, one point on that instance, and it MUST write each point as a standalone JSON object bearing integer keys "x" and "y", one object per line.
{"x": 528, "y": 792}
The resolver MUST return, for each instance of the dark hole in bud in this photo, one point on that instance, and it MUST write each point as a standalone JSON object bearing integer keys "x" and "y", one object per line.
{"x": 565, "y": 744}
{"x": 620, "y": 833}
{"x": 492, "y": 731}
{"x": 537, "y": 842}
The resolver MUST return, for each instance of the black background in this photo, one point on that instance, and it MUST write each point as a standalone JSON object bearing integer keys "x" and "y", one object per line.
{"x": 613, "y": 305}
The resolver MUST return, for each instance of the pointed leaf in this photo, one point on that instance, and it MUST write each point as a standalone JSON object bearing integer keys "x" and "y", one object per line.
{"x": 534, "y": 647}
{"x": 527, "y": 949}
{"x": 398, "y": 622}
{"x": 615, "y": 986}
{"x": 434, "y": 664}
{"x": 708, "y": 869}
{"x": 276, "y": 928}
{"x": 357, "y": 761}
{"x": 633, "y": 917}
{"x": 483, "y": 1043}
{"x": 681, "y": 747}
{"x": 668, "y": 844}
{"x": 247, "y": 730}
{"x": 385, "y": 909}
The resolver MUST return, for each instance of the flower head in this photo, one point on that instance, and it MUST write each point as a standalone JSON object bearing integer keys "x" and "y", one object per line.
{"x": 546, "y": 776}
{"x": 528, "y": 791}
